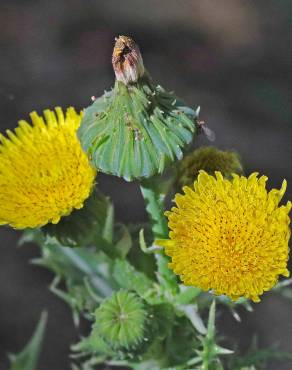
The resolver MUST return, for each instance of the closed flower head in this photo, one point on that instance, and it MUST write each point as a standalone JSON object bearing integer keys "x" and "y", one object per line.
{"x": 210, "y": 160}
{"x": 44, "y": 174}
{"x": 229, "y": 236}
{"x": 121, "y": 320}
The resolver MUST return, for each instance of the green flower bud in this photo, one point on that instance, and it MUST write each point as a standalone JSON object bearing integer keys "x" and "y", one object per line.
{"x": 121, "y": 320}
{"x": 210, "y": 160}
{"x": 138, "y": 128}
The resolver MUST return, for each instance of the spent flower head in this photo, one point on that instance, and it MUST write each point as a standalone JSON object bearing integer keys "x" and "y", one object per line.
{"x": 44, "y": 174}
{"x": 229, "y": 236}
{"x": 137, "y": 129}
{"x": 127, "y": 60}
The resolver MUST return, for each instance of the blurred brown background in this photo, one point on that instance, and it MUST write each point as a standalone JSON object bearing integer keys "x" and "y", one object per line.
{"x": 233, "y": 58}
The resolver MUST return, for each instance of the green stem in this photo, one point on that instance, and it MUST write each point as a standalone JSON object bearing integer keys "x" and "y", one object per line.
{"x": 155, "y": 208}
{"x": 154, "y": 200}
{"x": 206, "y": 360}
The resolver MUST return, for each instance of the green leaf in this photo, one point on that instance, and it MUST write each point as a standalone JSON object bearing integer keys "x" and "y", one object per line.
{"x": 259, "y": 357}
{"x": 191, "y": 312}
{"x": 108, "y": 225}
{"x": 210, "y": 351}
{"x": 32, "y": 236}
{"x": 211, "y": 321}
{"x": 27, "y": 359}
{"x": 165, "y": 276}
{"x": 143, "y": 245}
{"x": 87, "y": 275}
{"x": 124, "y": 243}
{"x": 129, "y": 278}
{"x": 164, "y": 315}
{"x": 154, "y": 200}
{"x": 67, "y": 262}
{"x": 181, "y": 343}
{"x": 91, "y": 225}
{"x": 91, "y": 344}
{"x": 187, "y": 294}
{"x": 136, "y": 131}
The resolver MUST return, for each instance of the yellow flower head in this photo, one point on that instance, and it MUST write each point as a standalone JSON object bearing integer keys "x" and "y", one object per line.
{"x": 44, "y": 174}
{"x": 229, "y": 236}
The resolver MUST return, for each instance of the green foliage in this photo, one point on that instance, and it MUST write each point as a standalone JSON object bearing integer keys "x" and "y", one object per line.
{"x": 258, "y": 358}
{"x": 92, "y": 224}
{"x": 116, "y": 277}
{"x": 154, "y": 195}
{"x": 139, "y": 255}
{"x": 136, "y": 131}
{"x": 28, "y": 358}
{"x": 209, "y": 352}
{"x": 181, "y": 343}
{"x": 187, "y": 294}
{"x": 126, "y": 276}
{"x": 96, "y": 278}
{"x": 85, "y": 271}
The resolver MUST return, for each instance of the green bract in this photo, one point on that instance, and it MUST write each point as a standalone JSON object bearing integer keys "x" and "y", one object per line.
{"x": 121, "y": 320}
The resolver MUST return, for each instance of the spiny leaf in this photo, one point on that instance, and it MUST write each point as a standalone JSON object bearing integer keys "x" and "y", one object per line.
{"x": 211, "y": 321}
{"x": 192, "y": 314}
{"x": 27, "y": 359}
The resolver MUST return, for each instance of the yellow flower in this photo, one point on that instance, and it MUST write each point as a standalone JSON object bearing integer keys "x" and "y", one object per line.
{"x": 44, "y": 174}
{"x": 229, "y": 236}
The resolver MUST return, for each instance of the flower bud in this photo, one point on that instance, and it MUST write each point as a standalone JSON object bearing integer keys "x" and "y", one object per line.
{"x": 210, "y": 160}
{"x": 121, "y": 320}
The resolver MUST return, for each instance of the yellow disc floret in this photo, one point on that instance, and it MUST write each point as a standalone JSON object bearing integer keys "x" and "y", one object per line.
{"x": 229, "y": 236}
{"x": 44, "y": 174}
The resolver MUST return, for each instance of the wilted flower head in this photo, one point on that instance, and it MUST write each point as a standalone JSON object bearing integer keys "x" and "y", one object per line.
{"x": 229, "y": 236}
{"x": 127, "y": 60}
{"x": 137, "y": 129}
{"x": 44, "y": 174}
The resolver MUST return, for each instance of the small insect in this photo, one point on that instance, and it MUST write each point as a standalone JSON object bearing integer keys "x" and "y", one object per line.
{"x": 137, "y": 134}
{"x": 129, "y": 124}
{"x": 210, "y": 135}
{"x": 128, "y": 120}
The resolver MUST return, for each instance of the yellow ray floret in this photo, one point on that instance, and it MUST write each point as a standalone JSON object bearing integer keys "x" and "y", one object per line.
{"x": 44, "y": 174}
{"x": 229, "y": 236}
